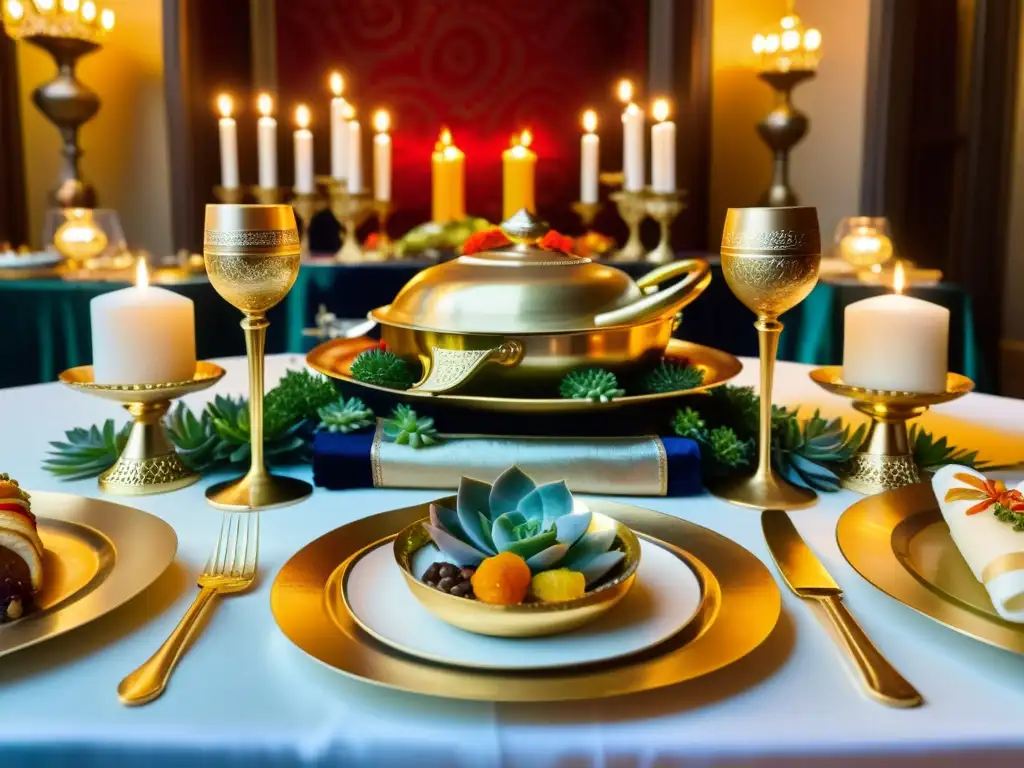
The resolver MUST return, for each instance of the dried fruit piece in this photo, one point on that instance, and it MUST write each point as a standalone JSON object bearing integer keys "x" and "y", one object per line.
{"x": 449, "y": 578}
{"x": 558, "y": 586}
{"x": 502, "y": 580}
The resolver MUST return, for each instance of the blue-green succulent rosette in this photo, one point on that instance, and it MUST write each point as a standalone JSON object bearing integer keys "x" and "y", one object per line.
{"x": 540, "y": 523}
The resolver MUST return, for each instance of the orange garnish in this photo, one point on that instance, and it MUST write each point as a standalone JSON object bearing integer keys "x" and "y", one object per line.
{"x": 987, "y": 492}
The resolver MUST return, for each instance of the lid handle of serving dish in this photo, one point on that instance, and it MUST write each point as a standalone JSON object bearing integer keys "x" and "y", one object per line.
{"x": 660, "y": 303}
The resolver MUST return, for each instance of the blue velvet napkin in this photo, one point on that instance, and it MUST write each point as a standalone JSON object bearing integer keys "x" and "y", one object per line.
{"x": 342, "y": 462}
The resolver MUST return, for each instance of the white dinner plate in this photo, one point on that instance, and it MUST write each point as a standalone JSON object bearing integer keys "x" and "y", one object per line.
{"x": 665, "y": 597}
{"x": 11, "y": 260}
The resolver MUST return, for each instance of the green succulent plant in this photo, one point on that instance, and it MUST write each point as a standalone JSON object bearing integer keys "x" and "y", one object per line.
{"x": 809, "y": 453}
{"x": 930, "y": 454}
{"x": 382, "y": 368}
{"x": 193, "y": 437}
{"x": 406, "y": 428}
{"x": 87, "y": 452}
{"x": 672, "y": 377}
{"x": 433, "y": 236}
{"x": 345, "y": 415}
{"x": 688, "y": 423}
{"x": 298, "y": 396}
{"x": 726, "y": 451}
{"x": 595, "y": 384}
{"x": 229, "y": 418}
{"x": 540, "y": 523}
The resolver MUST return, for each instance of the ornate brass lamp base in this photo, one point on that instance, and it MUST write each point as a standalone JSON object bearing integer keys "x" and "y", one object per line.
{"x": 148, "y": 464}
{"x": 257, "y": 491}
{"x": 885, "y": 460}
{"x": 664, "y": 208}
{"x": 633, "y": 209}
{"x": 587, "y": 213}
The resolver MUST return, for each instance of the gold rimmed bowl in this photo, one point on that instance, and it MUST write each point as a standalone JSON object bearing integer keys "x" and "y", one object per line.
{"x": 527, "y": 619}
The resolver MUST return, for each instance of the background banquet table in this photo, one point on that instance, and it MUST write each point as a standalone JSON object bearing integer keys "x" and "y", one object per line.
{"x": 245, "y": 696}
{"x": 48, "y": 319}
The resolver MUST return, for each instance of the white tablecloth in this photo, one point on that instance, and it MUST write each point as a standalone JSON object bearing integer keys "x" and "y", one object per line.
{"x": 244, "y": 695}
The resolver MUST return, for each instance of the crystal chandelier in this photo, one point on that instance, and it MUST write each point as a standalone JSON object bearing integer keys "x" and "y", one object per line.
{"x": 73, "y": 19}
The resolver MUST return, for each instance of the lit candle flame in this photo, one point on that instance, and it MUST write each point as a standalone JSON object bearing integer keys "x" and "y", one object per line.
{"x": 525, "y": 138}
{"x": 625, "y": 91}
{"x": 446, "y": 137}
{"x": 69, "y": 6}
{"x": 107, "y": 19}
{"x": 899, "y": 278}
{"x": 381, "y": 121}
{"x": 265, "y": 104}
{"x": 337, "y": 83}
{"x": 350, "y": 112}
{"x": 141, "y": 274}
{"x": 44, "y": 6}
{"x": 790, "y": 40}
{"x": 660, "y": 110}
{"x": 302, "y": 116}
{"x": 771, "y": 43}
{"x": 590, "y": 121}
{"x": 812, "y": 39}
{"x": 225, "y": 105}
{"x": 758, "y": 43}
{"x": 89, "y": 11}
{"x": 15, "y": 10}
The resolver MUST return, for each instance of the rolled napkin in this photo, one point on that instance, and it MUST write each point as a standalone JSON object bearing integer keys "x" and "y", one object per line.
{"x": 621, "y": 466}
{"x": 981, "y": 515}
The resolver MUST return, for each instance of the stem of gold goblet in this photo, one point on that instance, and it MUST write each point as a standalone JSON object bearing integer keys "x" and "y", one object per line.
{"x": 255, "y": 327}
{"x": 768, "y": 331}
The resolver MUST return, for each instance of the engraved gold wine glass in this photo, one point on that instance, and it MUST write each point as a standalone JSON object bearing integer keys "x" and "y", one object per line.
{"x": 252, "y": 256}
{"x": 770, "y": 257}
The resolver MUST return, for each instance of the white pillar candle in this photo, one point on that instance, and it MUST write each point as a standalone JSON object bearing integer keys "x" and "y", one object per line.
{"x": 266, "y": 144}
{"x": 381, "y": 157}
{"x": 355, "y": 157}
{"x": 341, "y": 113}
{"x": 303, "y": 152}
{"x": 142, "y": 335}
{"x": 228, "y": 144}
{"x": 896, "y": 343}
{"x": 663, "y": 150}
{"x": 589, "y": 162}
{"x": 634, "y": 172}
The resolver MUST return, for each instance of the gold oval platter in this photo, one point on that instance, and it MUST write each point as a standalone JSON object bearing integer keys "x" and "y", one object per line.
{"x": 740, "y": 607}
{"x": 98, "y": 556}
{"x": 899, "y": 542}
{"x": 334, "y": 359}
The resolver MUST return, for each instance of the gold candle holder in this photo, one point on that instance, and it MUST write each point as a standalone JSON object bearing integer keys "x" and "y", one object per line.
{"x": 269, "y": 195}
{"x": 633, "y": 210}
{"x": 228, "y": 195}
{"x": 885, "y": 460}
{"x": 351, "y": 209}
{"x": 770, "y": 258}
{"x": 664, "y": 207}
{"x": 252, "y": 257}
{"x": 587, "y": 213}
{"x": 148, "y": 464}
{"x": 306, "y": 204}
{"x": 384, "y": 245}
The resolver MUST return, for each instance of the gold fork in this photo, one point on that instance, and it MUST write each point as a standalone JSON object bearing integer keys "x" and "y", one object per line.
{"x": 231, "y": 568}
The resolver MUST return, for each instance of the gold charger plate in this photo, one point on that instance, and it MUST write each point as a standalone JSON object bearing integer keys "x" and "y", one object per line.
{"x": 334, "y": 359}
{"x": 740, "y": 608}
{"x": 98, "y": 556}
{"x": 899, "y": 542}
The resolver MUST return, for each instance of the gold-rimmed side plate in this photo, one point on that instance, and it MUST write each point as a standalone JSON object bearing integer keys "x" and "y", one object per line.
{"x": 900, "y": 543}
{"x": 740, "y": 608}
{"x": 334, "y": 359}
{"x": 98, "y": 555}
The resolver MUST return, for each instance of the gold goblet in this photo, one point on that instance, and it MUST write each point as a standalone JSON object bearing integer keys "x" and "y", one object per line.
{"x": 252, "y": 257}
{"x": 770, "y": 257}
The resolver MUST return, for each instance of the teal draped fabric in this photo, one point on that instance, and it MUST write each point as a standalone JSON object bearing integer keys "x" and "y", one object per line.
{"x": 46, "y": 321}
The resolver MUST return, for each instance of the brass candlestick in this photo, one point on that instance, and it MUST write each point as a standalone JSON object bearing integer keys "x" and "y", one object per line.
{"x": 633, "y": 209}
{"x": 228, "y": 195}
{"x": 252, "y": 257}
{"x": 148, "y": 464}
{"x": 781, "y": 129}
{"x": 305, "y": 205}
{"x": 587, "y": 213}
{"x": 384, "y": 246}
{"x": 664, "y": 207}
{"x": 885, "y": 459}
{"x": 269, "y": 195}
{"x": 770, "y": 257}
{"x": 351, "y": 209}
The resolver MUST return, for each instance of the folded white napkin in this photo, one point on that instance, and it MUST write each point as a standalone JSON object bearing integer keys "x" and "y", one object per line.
{"x": 992, "y": 548}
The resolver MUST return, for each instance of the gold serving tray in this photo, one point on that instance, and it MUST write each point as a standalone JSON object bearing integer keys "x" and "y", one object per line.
{"x": 741, "y": 605}
{"x": 899, "y": 542}
{"x": 334, "y": 359}
{"x": 98, "y": 556}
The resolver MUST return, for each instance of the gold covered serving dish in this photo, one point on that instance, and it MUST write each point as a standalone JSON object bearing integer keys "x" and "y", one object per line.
{"x": 519, "y": 317}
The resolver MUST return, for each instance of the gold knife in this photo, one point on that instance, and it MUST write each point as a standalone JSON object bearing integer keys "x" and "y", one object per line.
{"x": 807, "y": 577}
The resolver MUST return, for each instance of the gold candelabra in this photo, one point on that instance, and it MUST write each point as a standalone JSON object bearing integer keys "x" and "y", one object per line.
{"x": 885, "y": 460}
{"x": 228, "y": 195}
{"x": 351, "y": 209}
{"x": 633, "y": 210}
{"x": 269, "y": 195}
{"x": 384, "y": 245}
{"x": 306, "y": 204}
{"x": 770, "y": 258}
{"x": 587, "y": 213}
{"x": 148, "y": 464}
{"x": 664, "y": 207}
{"x": 252, "y": 257}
